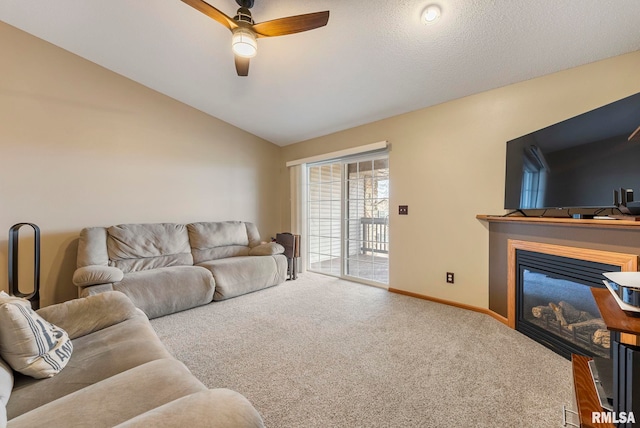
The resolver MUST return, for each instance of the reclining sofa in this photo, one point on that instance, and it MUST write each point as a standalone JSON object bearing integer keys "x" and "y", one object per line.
{"x": 167, "y": 267}
{"x": 118, "y": 374}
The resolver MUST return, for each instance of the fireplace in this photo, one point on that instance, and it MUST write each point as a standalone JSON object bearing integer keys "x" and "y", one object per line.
{"x": 554, "y": 304}
{"x": 549, "y": 295}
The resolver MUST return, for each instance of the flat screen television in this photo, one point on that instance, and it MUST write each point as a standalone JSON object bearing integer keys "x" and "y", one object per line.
{"x": 582, "y": 162}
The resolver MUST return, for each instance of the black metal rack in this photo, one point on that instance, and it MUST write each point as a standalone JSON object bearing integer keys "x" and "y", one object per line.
{"x": 291, "y": 244}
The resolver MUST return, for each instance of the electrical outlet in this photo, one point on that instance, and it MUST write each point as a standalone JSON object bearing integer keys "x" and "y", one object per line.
{"x": 450, "y": 277}
{"x": 403, "y": 209}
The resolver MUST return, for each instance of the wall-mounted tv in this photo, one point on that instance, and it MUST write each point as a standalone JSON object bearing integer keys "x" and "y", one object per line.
{"x": 582, "y": 162}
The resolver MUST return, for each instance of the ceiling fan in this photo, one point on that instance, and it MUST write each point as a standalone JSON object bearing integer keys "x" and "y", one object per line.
{"x": 246, "y": 31}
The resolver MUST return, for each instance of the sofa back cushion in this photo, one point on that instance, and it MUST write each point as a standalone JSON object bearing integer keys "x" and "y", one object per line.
{"x": 92, "y": 247}
{"x": 136, "y": 247}
{"x": 217, "y": 240}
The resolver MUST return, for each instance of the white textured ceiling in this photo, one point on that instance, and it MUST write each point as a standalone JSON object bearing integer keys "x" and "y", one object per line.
{"x": 373, "y": 60}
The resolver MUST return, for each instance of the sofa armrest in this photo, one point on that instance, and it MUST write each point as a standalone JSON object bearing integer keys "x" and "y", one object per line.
{"x": 93, "y": 275}
{"x": 80, "y": 317}
{"x": 267, "y": 249}
{"x": 214, "y": 408}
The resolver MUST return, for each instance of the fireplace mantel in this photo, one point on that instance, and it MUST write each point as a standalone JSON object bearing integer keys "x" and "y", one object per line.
{"x": 621, "y": 223}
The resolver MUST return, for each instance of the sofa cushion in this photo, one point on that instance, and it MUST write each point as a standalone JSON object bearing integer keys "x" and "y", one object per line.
{"x": 217, "y": 234}
{"x": 216, "y": 240}
{"x": 200, "y": 256}
{"x": 214, "y": 408}
{"x": 92, "y": 247}
{"x": 167, "y": 290}
{"x": 30, "y": 344}
{"x": 252, "y": 234}
{"x": 239, "y": 275}
{"x": 6, "y": 385}
{"x": 116, "y": 399}
{"x": 136, "y": 247}
{"x": 95, "y": 357}
{"x": 93, "y": 275}
{"x": 267, "y": 249}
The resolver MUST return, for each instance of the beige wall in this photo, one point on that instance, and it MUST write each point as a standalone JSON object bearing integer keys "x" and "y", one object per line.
{"x": 447, "y": 164}
{"x": 82, "y": 146}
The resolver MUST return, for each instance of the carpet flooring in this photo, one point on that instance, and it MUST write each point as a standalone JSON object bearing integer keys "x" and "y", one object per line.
{"x": 323, "y": 352}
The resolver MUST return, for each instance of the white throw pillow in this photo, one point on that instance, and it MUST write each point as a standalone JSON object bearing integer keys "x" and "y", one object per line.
{"x": 28, "y": 343}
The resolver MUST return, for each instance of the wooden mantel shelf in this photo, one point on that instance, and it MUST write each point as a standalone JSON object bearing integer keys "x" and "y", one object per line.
{"x": 559, "y": 221}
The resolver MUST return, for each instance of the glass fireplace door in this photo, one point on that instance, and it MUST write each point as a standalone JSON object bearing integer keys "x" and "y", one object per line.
{"x": 555, "y": 305}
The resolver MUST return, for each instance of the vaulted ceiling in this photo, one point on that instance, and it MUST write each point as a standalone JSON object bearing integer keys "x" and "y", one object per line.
{"x": 373, "y": 60}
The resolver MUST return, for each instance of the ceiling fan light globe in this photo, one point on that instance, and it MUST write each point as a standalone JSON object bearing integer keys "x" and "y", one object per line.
{"x": 244, "y": 43}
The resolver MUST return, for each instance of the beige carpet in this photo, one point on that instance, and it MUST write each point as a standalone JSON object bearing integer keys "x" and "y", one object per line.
{"x": 322, "y": 352}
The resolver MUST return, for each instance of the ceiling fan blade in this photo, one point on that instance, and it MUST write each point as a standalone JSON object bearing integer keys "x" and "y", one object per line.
{"x": 212, "y": 12}
{"x": 291, "y": 24}
{"x": 242, "y": 65}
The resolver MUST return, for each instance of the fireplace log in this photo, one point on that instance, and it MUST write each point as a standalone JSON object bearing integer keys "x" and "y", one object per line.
{"x": 557, "y": 310}
{"x": 592, "y": 324}
{"x": 602, "y": 337}
{"x": 567, "y": 314}
{"x": 541, "y": 311}
{"x": 573, "y": 315}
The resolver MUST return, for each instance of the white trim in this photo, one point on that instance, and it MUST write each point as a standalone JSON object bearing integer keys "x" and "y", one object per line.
{"x": 341, "y": 153}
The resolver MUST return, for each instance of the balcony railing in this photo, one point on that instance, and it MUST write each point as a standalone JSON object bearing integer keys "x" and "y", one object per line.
{"x": 375, "y": 235}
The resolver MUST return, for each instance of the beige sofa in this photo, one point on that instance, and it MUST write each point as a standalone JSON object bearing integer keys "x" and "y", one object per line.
{"x": 119, "y": 374}
{"x": 168, "y": 267}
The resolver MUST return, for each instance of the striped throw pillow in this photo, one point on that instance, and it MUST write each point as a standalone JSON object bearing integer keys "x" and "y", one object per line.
{"x": 28, "y": 343}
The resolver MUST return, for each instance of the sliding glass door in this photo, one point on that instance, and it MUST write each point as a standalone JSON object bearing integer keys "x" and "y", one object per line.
{"x": 367, "y": 220}
{"x": 348, "y": 218}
